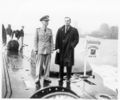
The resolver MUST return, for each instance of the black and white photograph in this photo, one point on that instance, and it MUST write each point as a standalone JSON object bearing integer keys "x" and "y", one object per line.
{"x": 60, "y": 49}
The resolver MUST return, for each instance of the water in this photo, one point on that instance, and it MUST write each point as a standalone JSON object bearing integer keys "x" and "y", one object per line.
{"x": 107, "y": 53}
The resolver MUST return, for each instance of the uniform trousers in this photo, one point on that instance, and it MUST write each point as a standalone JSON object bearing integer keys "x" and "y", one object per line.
{"x": 42, "y": 66}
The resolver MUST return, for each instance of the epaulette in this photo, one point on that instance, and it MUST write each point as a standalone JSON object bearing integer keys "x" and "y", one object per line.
{"x": 38, "y": 28}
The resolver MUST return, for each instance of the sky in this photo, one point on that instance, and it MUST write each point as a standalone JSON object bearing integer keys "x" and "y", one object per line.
{"x": 86, "y": 15}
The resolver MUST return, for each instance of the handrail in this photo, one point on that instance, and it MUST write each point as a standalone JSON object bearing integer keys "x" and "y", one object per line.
{"x": 6, "y": 92}
{"x": 7, "y": 77}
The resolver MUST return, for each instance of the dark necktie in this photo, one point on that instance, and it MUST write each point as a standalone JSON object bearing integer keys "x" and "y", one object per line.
{"x": 45, "y": 30}
{"x": 66, "y": 29}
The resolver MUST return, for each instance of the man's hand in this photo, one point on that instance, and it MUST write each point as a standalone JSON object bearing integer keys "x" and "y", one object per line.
{"x": 58, "y": 50}
{"x": 36, "y": 52}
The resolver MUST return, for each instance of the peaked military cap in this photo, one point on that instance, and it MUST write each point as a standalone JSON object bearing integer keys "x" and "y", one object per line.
{"x": 44, "y": 18}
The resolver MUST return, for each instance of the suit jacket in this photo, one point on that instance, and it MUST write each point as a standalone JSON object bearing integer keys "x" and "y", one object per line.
{"x": 43, "y": 41}
{"x": 66, "y": 42}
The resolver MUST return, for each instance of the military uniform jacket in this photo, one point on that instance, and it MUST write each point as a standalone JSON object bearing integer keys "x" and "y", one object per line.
{"x": 43, "y": 41}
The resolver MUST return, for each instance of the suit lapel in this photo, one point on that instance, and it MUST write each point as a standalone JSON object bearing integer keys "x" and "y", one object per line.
{"x": 68, "y": 32}
{"x": 69, "y": 29}
{"x": 63, "y": 29}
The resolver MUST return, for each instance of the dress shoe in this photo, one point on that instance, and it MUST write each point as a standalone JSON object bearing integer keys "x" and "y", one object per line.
{"x": 47, "y": 81}
{"x": 68, "y": 85}
{"x": 38, "y": 86}
{"x": 60, "y": 83}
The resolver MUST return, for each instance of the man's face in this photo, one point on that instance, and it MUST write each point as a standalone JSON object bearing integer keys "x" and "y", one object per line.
{"x": 9, "y": 26}
{"x": 45, "y": 23}
{"x": 22, "y": 27}
{"x": 67, "y": 21}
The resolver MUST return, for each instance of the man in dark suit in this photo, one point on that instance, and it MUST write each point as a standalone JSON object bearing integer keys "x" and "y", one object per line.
{"x": 66, "y": 40}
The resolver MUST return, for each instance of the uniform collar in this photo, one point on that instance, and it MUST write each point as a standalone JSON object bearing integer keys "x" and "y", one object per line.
{"x": 42, "y": 29}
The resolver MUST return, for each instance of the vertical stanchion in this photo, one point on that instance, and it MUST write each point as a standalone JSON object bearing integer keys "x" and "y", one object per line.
{"x": 85, "y": 58}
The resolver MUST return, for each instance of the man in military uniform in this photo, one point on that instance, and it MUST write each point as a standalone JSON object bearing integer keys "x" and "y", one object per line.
{"x": 43, "y": 48}
{"x": 66, "y": 40}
